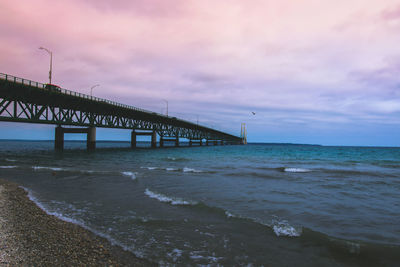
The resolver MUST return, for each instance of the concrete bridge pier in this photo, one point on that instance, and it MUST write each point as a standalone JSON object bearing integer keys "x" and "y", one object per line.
{"x": 161, "y": 141}
{"x": 192, "y": 141}
{"x": 59, "y": 138}
{"x": 171, "y": 139}
{"x": 153, "y": 135}
{"x": 133, "y": 139}
{"x": 90, "y": 140}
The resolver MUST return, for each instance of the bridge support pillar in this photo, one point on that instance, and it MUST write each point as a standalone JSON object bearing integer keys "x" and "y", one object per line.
{"x": 133, "y": 139}
{"x": 190, "y": 142}
{"x": 91, "y": 138}
{"x": 201, "y": 142}
{"x": 161, "y": 141}
{"x": 215, "y": 143}
{"x": 169, "y": 139}
{"x": 222, "y": 142}
{"x": 154, "y": 139}
{"x": 59, "y": 138}
{"x": 206, "y": 142}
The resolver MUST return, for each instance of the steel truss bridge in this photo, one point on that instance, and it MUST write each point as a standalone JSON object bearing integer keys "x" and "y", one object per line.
{"x": 23, "y": 100}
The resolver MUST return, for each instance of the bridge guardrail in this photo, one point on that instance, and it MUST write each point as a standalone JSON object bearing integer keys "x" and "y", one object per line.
{"x": 15, "y": 79}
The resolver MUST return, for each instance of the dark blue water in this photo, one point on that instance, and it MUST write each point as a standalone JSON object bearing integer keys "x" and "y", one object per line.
{"x": 268, "y": 205}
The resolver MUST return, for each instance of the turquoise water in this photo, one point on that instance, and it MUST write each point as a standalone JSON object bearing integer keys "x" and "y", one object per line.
{"x": 258, "y": 204}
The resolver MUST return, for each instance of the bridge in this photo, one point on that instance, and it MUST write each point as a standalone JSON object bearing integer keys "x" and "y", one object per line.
{"x": 23, "y": 100}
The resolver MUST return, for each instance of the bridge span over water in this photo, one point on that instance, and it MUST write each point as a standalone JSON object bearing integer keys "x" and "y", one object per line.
{"x": 23, "y": 100}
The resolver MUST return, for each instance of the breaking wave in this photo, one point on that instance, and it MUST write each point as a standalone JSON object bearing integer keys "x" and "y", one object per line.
{"x": 47, "y": 168}
{"x": 191, "y": 170}
{"x": 283, "y": 228}
{"x": 77, "y": 222}
{"x": 296, "y": 170}
{"x": 167, "y": 199}
{"x": 149, "y": 168}
{"x": 8, "y": 167}
{"x": 130, "y": 174}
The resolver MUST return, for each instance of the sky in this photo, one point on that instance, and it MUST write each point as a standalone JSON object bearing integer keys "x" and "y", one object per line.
{"x": 313, "y": 71}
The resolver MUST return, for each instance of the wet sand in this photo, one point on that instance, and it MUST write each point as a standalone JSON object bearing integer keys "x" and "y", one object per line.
{"x": 29, "y": 236}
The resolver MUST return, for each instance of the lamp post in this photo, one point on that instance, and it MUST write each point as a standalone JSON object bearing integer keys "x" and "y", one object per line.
{"x": 91, "y": 89}
{"x": 167, "y": 105}
{"x": 51, "y": 61}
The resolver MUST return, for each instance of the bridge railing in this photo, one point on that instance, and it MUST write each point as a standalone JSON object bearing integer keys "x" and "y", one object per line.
{"x": 69, "y": 92}
{"x": 14, "y": 79}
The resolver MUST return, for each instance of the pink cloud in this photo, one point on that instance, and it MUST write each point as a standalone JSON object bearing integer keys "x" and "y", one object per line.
{"x": 391, "y": 13}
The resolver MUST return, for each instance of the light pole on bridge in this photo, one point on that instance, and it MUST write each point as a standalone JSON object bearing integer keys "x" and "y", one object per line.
{"x": 167, "y": 105}
{"x": 51, "y": 61}
{"x": 91, "y": 89}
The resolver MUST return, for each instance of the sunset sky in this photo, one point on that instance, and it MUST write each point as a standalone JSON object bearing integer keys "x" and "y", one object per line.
{"x": 314, "y": 71}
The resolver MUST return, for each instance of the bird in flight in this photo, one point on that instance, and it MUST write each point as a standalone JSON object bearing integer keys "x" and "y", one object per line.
{"x": 253, "y": 113}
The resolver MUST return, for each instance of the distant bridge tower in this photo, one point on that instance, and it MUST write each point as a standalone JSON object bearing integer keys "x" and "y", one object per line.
{"x": 243, "y": 134}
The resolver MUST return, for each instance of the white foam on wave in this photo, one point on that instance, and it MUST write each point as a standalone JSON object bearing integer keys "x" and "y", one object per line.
{"x": 229, "y": 215}
{"x": 8, "y": 167}
{"x": 296, "y": 170}
{"x": 130, "y": 174}
{"x": 282, "y": 228}
{"x": 191, "y": 170}
{"x": 196, "y": 255}
{"x": 47, "y": 168}
{"x": 175, "y": 254}
{"x": 171, "y": 169}
{"x": 11, "y": 160}
{"x": 166, "y": 199}
{"x": 149, "y": 168}
{"x": 78, "y": 222}
{"x": 54, "y": 213}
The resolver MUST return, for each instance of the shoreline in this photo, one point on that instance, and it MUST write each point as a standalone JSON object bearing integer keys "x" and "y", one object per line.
{"x": 30, "y": 236}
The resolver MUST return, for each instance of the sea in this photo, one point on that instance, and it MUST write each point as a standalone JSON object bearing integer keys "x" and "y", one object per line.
{"x": 232, "y": 205}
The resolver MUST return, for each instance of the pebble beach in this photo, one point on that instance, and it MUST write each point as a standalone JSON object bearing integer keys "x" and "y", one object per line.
{"x": 29, "y": 236}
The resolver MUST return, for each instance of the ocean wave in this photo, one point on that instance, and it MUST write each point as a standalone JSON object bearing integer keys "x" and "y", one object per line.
{"x": 283, "y": 228}
{"x": 11, "y": 160}
{"x": 175, "y": 254}
{"x": 185, "y": 169}
{"x": 229, "y": 215}
{"x": 8, "y": 167}
{"x": 149, "y": 168}
{"x": 167, "y": 199}
{"x": 176, "y": 159}
{"x": 296, "y": 170}
{"x": 64, "y": 218}
{"x": 191, "y": 170}
{"x": 171, "y": 169}
{"x": 47, "y": 168}
{"x": 130, "y": 174}
{"x": 196, "y": 255}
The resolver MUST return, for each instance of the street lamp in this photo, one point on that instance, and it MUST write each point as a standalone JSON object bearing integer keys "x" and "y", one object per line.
{"x": 91, "y": 88}
{"x": 167, "y": 105}
{"x": 51, "y": 61}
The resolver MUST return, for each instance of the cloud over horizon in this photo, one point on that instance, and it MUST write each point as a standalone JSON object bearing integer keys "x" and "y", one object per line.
{"x": 321, "y": 67}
